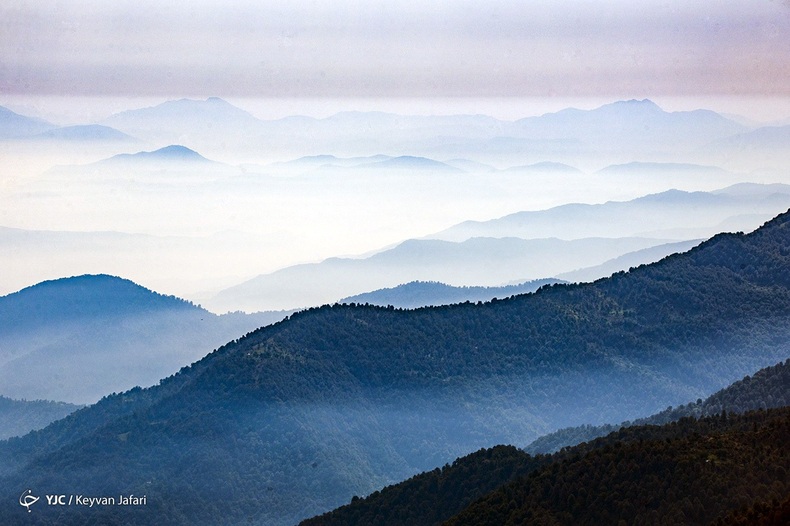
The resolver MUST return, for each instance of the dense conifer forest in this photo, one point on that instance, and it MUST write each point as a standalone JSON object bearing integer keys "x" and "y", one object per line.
{"x": 687, "y": 472}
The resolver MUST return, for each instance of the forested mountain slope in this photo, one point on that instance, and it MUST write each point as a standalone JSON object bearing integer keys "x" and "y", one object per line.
{"x": 434, "y": 496}
{"x": 297, "y": 417}
{"x": 688, "y": 472}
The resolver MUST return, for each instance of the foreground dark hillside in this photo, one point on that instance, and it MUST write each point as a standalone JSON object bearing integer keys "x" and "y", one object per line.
{"x": 296, "y": 418}
{"x": 688, "y": 472}
{"x": 435, "y": 496}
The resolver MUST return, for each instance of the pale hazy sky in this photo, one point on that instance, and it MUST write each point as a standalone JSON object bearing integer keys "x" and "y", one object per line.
{"x": 310, "y": 48}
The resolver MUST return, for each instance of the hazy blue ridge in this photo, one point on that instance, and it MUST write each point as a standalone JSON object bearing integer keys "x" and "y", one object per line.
{"x": 79, "y": 338}
{"x": 19, "y": 417}
{"x": 431, "y": 293}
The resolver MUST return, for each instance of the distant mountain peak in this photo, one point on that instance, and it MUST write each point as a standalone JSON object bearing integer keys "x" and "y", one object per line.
{"x": 643, "y": 102}
{"x": 176, "y": 150}
{"x": 172, "y": 153}
{"x": 642, "y": 105}
{"x": 185, "y": 112}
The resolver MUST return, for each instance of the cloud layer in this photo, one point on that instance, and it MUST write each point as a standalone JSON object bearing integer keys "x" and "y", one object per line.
{"x": 350, "y": 48}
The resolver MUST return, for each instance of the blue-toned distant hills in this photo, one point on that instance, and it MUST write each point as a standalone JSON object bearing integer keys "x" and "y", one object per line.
{"x": 614, "y": 133}
{"x": 175, "y": 153}
{"x": 14, "y": 125}
{"x": 84, "y": 133}
{"x": 560, "y": 242}
{"x": 617, "y": 133}
{"x": 77, "y": 339}
{"x": 431, "y": 293}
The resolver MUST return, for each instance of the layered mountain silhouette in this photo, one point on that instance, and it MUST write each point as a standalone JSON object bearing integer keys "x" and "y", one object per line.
{"x": 621, "y": 131}
{"x": 673, "y": 212}
{"x": 474, "y": 262}
{"x": 519, "y": 247}
{"x": 298, "y": 417}
{"x": 170, "y": 164}
{"x": 627, "y": 261}
{"x": 173, "y": 263}
{"x": 432, "y": 293}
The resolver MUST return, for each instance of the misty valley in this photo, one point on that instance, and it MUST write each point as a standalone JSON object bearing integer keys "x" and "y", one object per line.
{"x": 581, "y": 317}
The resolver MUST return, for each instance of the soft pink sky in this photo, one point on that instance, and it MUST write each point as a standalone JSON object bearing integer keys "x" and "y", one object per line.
{"x": 464, "y": 48}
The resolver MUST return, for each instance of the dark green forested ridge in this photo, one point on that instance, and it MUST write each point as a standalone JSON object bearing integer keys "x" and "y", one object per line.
{"x": 297, "y": 417}
{"x": 687, "y": 472}
{"x": 767, "y": 388}
{"x": 761, "y": 513}
{"x": 434, "y": 496}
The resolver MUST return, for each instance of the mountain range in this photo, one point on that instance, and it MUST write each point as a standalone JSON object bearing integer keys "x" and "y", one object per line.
{"x": 432, "y": 293}
{"x": 589, "y": 242}
{"x": 640, "y": 128}
{"x": 295, "y": 418}
{"x": 672, "y": 213}
{"x": 388, "y": 159}
{"x": 615, "y": 133}
{"x": 474, "y": 262}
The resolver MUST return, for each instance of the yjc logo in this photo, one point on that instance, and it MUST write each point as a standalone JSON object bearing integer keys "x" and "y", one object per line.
{"x": 27, "y": 499}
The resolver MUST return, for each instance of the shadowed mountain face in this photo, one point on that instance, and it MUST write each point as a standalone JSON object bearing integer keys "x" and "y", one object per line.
{"x": 690, "y": 472}
{"x": 297, "y": 417}
{"x": 77, "y": 339}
